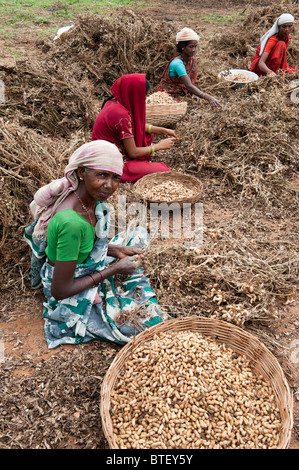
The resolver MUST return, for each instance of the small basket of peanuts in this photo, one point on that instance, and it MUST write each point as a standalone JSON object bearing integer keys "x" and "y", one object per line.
{"x": 163, "y": 110}
{"x": 196, "y": 383}
{"x": 169, "y": 187}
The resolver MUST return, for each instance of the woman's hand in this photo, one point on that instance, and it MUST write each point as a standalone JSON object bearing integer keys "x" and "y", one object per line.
{"x": 123, "y": 251}
{"x": 128, "y": 264}
{"x": 162, "y": 131}
{"x": 213, "y": 101}
{"x": 64, "y": 285}
{"x": 165, "y": 144}
{"x": 171, "y": 133}
{"x": 185, "y": 79}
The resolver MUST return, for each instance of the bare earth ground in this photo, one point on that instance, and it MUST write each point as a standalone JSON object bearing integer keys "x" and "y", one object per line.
{"x": 25, "y": 352}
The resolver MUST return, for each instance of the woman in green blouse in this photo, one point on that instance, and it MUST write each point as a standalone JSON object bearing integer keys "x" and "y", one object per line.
{"x": 72, "y": 259}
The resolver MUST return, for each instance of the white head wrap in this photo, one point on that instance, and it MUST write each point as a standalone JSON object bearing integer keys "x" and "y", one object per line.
{"x": 282, "y": 19}
{"x": 187, "y": 34}
{"x": 98, "y": 154}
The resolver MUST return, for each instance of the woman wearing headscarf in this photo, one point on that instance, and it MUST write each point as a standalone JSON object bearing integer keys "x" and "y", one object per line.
{"x": 271, "y": 55}
{"x": 180, "y": 74}
{"x": 75, "y": 264}
{"x": 122, "y": 121}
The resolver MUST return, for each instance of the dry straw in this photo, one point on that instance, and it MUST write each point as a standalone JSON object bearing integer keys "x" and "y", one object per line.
{"x": 28, "y": 160}
{"x": 103, "y": 48}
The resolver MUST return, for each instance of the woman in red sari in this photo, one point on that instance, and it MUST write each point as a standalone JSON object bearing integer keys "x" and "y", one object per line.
{"x": 180, "y": 75}
{"x": 271, "y": 55}
{"x": 122, "y": 122}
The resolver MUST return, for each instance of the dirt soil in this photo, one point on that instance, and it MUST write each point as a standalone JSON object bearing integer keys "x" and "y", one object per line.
{"x": 43, "y": 416}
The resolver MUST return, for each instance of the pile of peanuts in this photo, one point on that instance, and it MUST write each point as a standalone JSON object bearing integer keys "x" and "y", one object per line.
{"x": 185, "y": 391}
{"x": 168, "y": 191}
{"x": 238, "y": 77}
{"x": 160, "y": 97}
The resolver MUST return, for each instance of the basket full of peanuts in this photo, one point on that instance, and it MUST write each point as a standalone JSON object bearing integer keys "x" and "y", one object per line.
{"x": 163, "y": 110}
{"x": 196, "y": 383}
{"x": 169, "y": 187}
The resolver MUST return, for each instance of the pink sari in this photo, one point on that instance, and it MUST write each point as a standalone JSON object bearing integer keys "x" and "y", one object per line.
{"x": 128, "y": 106}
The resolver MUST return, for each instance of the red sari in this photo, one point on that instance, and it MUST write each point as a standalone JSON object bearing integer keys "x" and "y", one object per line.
{"x": 277, "y": 58}
{"x": 173, "y": 85}
{"x": 124, "y": 117}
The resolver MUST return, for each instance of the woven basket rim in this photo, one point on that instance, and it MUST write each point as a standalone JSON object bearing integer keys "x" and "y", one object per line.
{"x": 154, "y": 178}
{"x": 164, "y": 120}
{"x": 179, "y": 104}
{"x": 212, "y": 328}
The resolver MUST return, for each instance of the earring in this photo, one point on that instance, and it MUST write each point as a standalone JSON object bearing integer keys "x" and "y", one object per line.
{"x": 81, "y": 179}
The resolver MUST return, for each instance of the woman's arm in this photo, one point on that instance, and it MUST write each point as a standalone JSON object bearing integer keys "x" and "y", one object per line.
{"x": 64, "y": 285}
{"x": 197, "y": 92}
{"x": 117, "y": 251}
{"x": 262, "y": 64}
{"x": 137, "y": 152}
{"x": 150, "y": 129}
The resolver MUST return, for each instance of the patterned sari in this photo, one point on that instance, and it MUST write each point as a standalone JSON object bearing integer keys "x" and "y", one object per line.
{"x": 173, "y": 85}
{"x": 124, "y": 310}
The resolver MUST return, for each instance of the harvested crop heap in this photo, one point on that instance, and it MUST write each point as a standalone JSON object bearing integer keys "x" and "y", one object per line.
{"x": 238, "y": 274}
{"x": 252, "y": 141}
{"x": 43, "y": 95}
{"x": 61, "y": 92}
{"x": 185, "y": 391}
{"x": 28, "y": 160}
{"x": 104, "y": 48}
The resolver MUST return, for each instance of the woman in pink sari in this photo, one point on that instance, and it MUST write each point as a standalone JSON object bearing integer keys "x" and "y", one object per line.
{"x": 271, "y": 55}
{"x": 122, "y": 121}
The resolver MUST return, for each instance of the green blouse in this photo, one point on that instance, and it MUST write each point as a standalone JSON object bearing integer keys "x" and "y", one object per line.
{"x": 69, "y": 237}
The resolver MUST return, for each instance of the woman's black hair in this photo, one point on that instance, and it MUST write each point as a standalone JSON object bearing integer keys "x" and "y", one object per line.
{"x": 107, "y": 99}
{"x": 147, "y": 88}
{"x": 181, "y": 44}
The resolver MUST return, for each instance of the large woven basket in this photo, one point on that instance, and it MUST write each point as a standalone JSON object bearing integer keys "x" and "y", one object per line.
{"x": 261, "y": 358}
{"x": 151, "y": 181}
{"x": 165, "y": 115}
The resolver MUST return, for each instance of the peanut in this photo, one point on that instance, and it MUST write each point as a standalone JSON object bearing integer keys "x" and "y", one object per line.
{"x": 168, "y": 190}
{"x": 160, "y": 97}
{"x": 238, "y": 77}
{"x": 210, "y": 398}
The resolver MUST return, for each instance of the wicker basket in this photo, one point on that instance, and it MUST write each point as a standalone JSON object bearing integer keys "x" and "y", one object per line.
{"x": 154, "y": 179}
{"x": 165, "y": 114}
{"x": 262, "y": 359}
